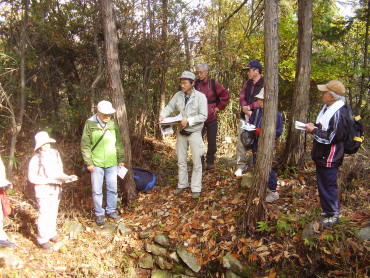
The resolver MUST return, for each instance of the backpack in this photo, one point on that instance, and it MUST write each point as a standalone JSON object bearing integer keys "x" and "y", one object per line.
{"x": 213, "y": 85}
{"x": 355, "y": 133}
{"x": 248, "y": 137}
{"x": 144, "y": 179}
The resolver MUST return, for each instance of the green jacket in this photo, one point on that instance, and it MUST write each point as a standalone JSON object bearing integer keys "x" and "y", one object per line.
{"x": 109, "y": 152}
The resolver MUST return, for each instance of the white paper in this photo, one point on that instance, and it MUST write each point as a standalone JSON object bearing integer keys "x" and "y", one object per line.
{"x": 122, "y": 171}
{"x": 166, "y": 129}
{"x": 170, "y": 120}
{"x": 247, "y": 126}
{"x": 299, "y": 125}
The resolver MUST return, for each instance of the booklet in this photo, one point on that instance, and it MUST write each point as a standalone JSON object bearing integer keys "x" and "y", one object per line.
{"x": 170, "y": 120}
{"x": 299, "y": 125}
{"x": 122, "y": 171}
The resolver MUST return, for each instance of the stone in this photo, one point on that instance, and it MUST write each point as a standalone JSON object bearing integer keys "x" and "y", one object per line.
{"x": 146, "y": 262}
{"x": 181, "y": 269}
{"x": 233, "y": 264}
{"x": 230, "y": 274}
{"x": 174, "y": 257}
{"x": 189, "y": 259}
{"x": 155, "y": 249}
{"x": 162, "y": 263}
{"x": 123, "y": 229}
{"x": 162, "y": 239}
{"x": 310, "y": 229}
{"x": 8, "y": 259}
{"x": 161, "y": 274}
{"x": 73, "y": 228}
{"x": 106, "y": 229}
{"x": 363, "y": 234}
{"x": 247, "y": 180}
{"x": 144, "y": 235}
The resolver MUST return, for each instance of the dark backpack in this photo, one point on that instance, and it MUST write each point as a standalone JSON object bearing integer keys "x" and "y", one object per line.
{"x": 248, "y": 137}
{"x": 213, "y": 85}
{"x": 144, "y": 179}
{"x": 355, "y": 133}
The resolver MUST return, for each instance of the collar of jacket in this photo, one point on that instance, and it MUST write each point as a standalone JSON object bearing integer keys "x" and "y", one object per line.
{"x": 191, "y": 95}
{"x": 258, "y": 83}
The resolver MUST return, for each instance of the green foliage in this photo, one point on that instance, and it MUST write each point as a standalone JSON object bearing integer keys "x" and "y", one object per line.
{"x": 263, "y": 227}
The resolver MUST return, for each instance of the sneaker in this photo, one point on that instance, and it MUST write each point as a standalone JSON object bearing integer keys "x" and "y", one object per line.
{"x": 195, "y": 195}
{"x": 114, "y": 216}
{"x": 329, "y": 221}
{"x": 100, "y": 220}
{"x": 272, "y": 196}
{"x": 239, "y": 172}
{"x": 179, "y": 190}
{"x": 55, "y": 239}
{"x": 46, "y": 246}
{"x": 6, "y": 243}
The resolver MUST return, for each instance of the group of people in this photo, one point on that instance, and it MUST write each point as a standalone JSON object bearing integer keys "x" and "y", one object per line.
{"x": 199, "y": 101}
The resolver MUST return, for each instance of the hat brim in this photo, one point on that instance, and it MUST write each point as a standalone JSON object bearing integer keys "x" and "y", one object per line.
{"x": 322, "y": 88}
{"x": 108, "y": 112}
{"x": 50, "y": 140}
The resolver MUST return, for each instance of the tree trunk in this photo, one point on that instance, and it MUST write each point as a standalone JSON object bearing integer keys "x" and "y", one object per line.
{"x": 256, "y": 207}
{"x": 116, "y": 90}
{"x": 17, "y": 124}
{"x": 294, "y": 151}
{"x": 164, "y": 53}
{"x": 184, "y": 29}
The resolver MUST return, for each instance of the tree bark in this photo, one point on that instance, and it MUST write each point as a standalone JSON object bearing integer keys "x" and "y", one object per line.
{"x": 256, "y": 207}
{"x": 164, "y": 54}
{"x": 300, "y": 104}
{"x": 117, "y": 93}
{"x": 184, "y": 29}
{"x": 17, "y": 124}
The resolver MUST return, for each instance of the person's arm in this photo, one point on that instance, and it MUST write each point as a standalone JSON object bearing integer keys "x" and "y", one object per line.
{"x": 119, "y": 145}
{"x": 86, "y": 145}
{"x": 223, "y": 96}
{"x": 203, "y": 112}
{"x": 242, "y": 100}
{"x": 170, "y": 108}
{"x": 33, "y": 172}
{"x": 335, "y": 132}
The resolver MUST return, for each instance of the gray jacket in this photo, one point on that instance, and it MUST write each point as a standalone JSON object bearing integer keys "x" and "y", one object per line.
{"x": 195, "y": 111}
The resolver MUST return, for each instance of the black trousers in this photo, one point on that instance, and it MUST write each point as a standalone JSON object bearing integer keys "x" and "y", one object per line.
{"x": 211, "y": 130}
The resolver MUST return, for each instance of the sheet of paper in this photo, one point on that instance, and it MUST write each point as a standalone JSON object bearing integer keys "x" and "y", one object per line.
{"x": 248, "y": 126}
{"x": 299, "y": 125}
{"x": 170, "y": 120}
{"x": 166, "y": 129}
{"x": 122, "y": 171}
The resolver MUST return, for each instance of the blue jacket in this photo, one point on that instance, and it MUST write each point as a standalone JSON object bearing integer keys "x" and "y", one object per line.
{"x": 259, "y": 113}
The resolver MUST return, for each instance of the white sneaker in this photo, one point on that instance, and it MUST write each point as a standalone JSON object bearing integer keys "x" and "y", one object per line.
{"x": 272, "y": 196}
{"x": 239, "y": 172}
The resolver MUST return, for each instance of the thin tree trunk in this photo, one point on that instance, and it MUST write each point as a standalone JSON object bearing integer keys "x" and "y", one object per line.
{"x": 256, "y": 207}
{"x": 184, "y": 29}
{"x": 116, "y": 90}
{"x": 294, "y": 151}
{"x": 99, "y": 73}
{"x": 164, "y": 65}
{"x": 17, "y": 124}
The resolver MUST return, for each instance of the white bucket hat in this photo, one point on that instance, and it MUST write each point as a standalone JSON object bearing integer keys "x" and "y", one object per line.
{"x": 261, "y": 94}
{"x": 105, "y": 107}
{"x": 42, "y": 138}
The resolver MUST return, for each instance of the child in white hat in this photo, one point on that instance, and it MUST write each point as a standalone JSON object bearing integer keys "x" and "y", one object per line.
{"x": 45, "y": 171}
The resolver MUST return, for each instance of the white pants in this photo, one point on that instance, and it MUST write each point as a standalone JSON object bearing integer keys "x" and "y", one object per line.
{"x": 48, "y": 198}
{"x": 197, "y": 150}
{"x": 3, "y": 235}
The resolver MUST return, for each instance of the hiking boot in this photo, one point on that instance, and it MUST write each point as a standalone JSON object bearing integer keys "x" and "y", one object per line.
{"x": 210, "y": 166}
{"x": 7, "y": 243}
{"x": 114, "y": 216}
{"x": 46, "y": 246}
{"x": 55, "y": 239}
{"x": 329, "y": 221}
{"x": 179, "y": 190}
{"x": 100, "y": 220}
{"x": 272, "y": 196}
{"x": 195, "y": 195}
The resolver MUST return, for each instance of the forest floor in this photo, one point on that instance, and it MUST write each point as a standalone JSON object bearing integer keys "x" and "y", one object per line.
{"x": 289, "y": 243}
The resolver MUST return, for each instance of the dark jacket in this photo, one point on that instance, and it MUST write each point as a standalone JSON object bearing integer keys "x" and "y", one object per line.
{"x": 259, "y": 113}
{"x": 328, "y": 149}
{"x": 248, "y": 93}
{"x": 205, "y": 86}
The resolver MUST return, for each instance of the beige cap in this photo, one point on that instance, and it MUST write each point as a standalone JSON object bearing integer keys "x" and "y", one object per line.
{"x": 42, "y": 138}
{"x": 334, "y": 86}
{"x": 187, "y": 75}
{"x": 261, "y": 94}
{"x": 105, "y": 107}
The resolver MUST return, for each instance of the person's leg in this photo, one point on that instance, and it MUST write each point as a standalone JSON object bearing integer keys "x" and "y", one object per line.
{"x": 97, "y": 178}
{"x": 272, "y": 183}
{"x": 43, "y": 220}
{"x": 197, "y": 150}
{"x": 3, "y": 235}
{"x": 182, "y": 153}
{"x": 328, "y": 190}
{"x": 111, "y": 182}
{"x": 54, "y": 201}
{"x": 241, "y": 157}
{"x": 212, "y": 145}
{"x": 204, "y": 133}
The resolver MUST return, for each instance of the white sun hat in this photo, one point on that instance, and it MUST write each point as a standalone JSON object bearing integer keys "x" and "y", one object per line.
{"x": 42, "y": 138}
{"x": 105, "y": 107}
